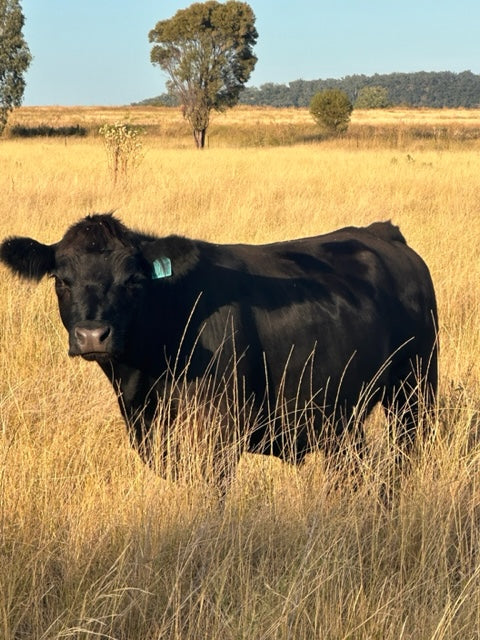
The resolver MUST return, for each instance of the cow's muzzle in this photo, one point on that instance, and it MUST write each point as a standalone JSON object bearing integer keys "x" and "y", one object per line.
{"x": 91, "y": 342}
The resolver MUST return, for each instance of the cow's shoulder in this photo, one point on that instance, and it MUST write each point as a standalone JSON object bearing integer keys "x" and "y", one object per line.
{"x": 357, "y": 238}
{"x": 386, "y": 231}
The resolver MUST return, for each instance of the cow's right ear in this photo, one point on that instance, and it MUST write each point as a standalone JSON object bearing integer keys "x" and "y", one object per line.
{"x": 27, "y": 257}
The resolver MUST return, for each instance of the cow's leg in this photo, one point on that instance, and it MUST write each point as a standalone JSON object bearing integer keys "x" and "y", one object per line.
{"x": 409, "y": 403}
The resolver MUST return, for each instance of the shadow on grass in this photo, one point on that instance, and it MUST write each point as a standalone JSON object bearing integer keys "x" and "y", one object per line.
{"x": 47, "y": 131}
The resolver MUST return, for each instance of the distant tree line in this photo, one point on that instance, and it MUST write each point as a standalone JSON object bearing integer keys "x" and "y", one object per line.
{"x": 420, "y": 89}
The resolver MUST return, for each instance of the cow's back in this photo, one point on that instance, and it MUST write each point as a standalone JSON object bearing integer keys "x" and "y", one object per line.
{"x": 325, "y": 311}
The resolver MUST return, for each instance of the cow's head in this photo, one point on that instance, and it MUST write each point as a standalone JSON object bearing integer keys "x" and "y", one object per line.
{"x": 103, "y": 272}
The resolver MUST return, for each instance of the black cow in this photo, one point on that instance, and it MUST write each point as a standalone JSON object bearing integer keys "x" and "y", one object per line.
{"x": 308, "y": 333}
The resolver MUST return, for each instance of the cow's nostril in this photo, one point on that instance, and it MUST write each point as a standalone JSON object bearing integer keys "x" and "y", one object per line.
{"x": 91, "y": 340}
{"x": 81, "y": 336}
{"x": 104, "y": 333}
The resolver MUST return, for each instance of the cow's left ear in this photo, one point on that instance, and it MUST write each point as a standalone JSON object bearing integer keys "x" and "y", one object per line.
{"x": 27, "y": 257}
{"x": 172, "y": 256}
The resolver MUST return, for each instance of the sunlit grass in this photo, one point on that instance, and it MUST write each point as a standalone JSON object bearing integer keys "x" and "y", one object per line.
{"x": 93, "y": 544}
{"x": 246, "y": 126}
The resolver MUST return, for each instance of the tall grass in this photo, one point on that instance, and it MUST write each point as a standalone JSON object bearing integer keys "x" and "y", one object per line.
{"x": 94, "y": 545}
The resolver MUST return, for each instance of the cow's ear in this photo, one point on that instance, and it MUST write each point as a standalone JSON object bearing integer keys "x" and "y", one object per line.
{"x": 170, "y": 257}
{"x": 27, "y": 257}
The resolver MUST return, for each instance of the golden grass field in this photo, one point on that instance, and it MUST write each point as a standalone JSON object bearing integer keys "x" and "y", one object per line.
{"x": 93, "y": 544}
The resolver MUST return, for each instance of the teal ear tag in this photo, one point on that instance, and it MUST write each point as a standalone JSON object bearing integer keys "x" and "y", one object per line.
{"x": 162, "y": 268}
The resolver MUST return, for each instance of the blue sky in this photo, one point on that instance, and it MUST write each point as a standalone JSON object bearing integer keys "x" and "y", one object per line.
{"x": 96, "y": 52}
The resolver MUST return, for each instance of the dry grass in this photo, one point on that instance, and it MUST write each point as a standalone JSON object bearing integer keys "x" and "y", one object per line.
{"x": 93, "y": 545}
{"x": 55, "y": 115}
{"x": 247, "y": 126}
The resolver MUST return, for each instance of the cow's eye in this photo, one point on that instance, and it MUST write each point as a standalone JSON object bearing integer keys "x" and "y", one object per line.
{"x": 61, "y": 284}
{"x": 135, "y": 280}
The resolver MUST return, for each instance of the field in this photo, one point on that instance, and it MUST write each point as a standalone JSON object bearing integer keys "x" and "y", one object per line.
{"x": 93, "y": 544}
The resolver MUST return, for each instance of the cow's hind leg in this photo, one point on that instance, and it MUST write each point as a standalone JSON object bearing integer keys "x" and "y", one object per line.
{"x": 408, "y": 403}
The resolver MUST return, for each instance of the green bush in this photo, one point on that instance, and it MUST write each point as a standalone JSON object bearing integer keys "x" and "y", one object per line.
{"x": 331, "y": 109}
{"x": 372, "y": 98}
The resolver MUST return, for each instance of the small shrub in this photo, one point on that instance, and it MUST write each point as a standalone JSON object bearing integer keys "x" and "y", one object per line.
{"x": 124, "y": 148}
{"x": 372, "y": 98}
{"x": 331, "y": 109}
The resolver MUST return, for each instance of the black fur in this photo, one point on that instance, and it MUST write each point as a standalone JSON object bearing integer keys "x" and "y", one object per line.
{"x": 309, "y": 333}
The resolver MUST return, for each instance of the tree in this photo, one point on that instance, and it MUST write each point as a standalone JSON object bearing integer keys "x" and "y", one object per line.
{"x": 331, "y": 109}
{"x": 206, "y": 50}
{"x": 372, "y": 98}
{"x": 15, "y": 58}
